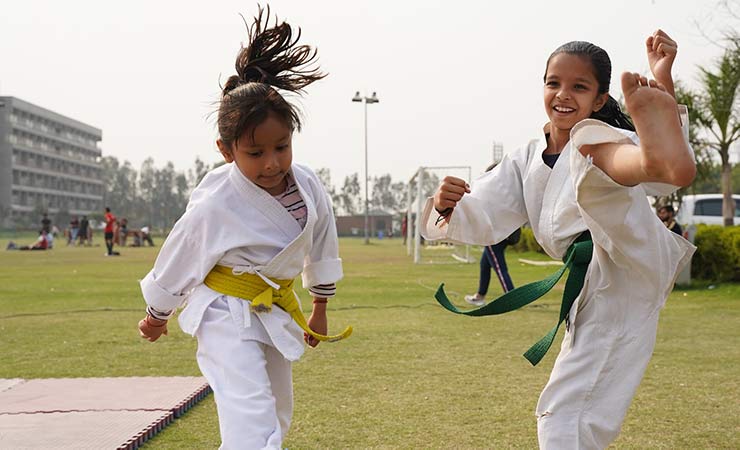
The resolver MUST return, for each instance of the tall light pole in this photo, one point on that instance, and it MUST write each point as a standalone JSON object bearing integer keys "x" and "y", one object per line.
{"x": 372, "y": 99}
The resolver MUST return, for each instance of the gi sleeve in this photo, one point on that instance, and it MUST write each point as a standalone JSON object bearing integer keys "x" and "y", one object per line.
{"x": 489, "y": 213}
{"x": 182, "y": 264}
{"x": 322, "y": 265}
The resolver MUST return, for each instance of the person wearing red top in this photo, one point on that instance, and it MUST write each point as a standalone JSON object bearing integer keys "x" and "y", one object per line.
{"x": 42, "y": 243}
{"x": 110, "y": 220}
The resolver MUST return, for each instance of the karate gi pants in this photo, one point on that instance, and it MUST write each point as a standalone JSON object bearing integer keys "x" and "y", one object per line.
{"x": 251, "y": 381}
{"x": 595, "y": 376}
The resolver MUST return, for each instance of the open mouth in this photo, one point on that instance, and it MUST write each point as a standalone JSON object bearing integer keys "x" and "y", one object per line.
{"x": 563, "y": 109}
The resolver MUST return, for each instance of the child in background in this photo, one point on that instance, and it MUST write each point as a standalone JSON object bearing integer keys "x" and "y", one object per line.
{"x": 590, "y": 175}
{"x": 250, "y": 228}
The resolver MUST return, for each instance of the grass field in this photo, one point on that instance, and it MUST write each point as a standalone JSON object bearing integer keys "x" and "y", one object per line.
{"x": 411, "y": 376}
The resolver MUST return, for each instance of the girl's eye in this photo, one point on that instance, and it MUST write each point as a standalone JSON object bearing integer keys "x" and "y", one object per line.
{"x": 580, "y": 86}
{"x": 254, "y": 154}
{"x": 282, "y": 147}
{"x": 551, "y": 84}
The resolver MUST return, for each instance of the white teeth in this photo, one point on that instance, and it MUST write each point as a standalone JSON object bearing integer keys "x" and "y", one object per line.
{"x": 563, "y": 109}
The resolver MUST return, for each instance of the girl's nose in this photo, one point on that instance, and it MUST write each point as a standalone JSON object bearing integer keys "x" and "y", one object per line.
{"x": 563, "y": 94}
{"x": 271, "y": 161}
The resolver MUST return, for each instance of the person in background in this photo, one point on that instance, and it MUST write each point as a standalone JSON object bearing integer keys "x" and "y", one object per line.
{"x": 668, "y": 215}
{"x": 82, "y": 233}
{"x": 41, "y": 243}
{"x": 74, "y": 228}
{"x": 110, "y": 221}
{"x": 146, "y": 236}
{"x": 123, "y": 232}
{"x": 46, "y": 224}
{"x": 493, "y": 258}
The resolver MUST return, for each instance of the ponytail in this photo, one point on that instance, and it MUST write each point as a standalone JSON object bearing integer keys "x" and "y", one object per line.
{"x": 271, "y": 60}
{"x": 612, "y": 114}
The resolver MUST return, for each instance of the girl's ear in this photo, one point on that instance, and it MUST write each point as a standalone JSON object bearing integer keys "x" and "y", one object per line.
{"x": 601, "y": 100}
{"x": 225, "y": 151}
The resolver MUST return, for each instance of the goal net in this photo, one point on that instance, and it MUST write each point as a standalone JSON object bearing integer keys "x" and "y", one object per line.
{"x": 422, "y": 185}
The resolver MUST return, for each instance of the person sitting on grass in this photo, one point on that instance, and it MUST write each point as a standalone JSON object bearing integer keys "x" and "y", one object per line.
{"x": 42, "y": 243}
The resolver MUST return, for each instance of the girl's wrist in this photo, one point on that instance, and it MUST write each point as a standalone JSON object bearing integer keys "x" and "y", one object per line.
{"x": 153, "y": 322}
{"x": 319, "y": 304}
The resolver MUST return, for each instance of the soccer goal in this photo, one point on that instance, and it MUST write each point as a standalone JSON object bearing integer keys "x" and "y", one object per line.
{"x": 422, "y": 185}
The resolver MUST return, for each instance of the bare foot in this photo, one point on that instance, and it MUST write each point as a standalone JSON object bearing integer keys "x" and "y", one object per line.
{"x": 666, "y": 156}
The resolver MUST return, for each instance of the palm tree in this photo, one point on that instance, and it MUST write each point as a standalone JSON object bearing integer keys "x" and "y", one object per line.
{"x": 719, "y": 114}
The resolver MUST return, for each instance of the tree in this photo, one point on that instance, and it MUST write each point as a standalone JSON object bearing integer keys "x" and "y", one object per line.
{"x": 146, "y": 187}
{"x": 182, "y": 194}
{"x": 324, "y": 175}
{"x": 349, "y": 198}
{"x": 718, "y": 110}
{"x": 165, "y": 201}
{"x": 400, "y": 194}
{"x": 196, "y": 174}
{"x": 382, "y": 194}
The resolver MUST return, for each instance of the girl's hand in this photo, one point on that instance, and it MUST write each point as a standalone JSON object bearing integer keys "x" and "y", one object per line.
{"x": 318, "y": 323}
{"x": 661, "y": 52}
{"x": 151, "y": 329}
{"x": 449, "y": 193}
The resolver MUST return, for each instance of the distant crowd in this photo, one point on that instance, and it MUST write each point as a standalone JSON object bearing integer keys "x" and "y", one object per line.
{"x": 79, "y": 232}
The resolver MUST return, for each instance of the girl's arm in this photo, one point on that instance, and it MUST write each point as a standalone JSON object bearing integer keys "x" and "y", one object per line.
{"x": 183, "y": 262}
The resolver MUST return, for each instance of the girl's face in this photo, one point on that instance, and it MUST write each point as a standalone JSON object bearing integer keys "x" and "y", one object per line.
{"x": 571, "y": 91}
{"x": 265, "y": 156}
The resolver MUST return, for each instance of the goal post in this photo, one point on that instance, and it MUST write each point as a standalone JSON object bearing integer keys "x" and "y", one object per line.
{"x": 422, "y": 185}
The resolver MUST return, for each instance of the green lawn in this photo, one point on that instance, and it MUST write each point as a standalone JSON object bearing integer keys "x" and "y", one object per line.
{"x": 411, "y": 375}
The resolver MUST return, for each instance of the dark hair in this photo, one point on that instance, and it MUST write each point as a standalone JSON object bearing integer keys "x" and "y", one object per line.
{"x": 610, "y": 112}
{"x": 271, "y": 60}
{"x": 667, "y": 208}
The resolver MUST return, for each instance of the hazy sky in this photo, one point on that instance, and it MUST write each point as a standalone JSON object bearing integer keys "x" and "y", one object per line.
{"x": 452, "y": 76}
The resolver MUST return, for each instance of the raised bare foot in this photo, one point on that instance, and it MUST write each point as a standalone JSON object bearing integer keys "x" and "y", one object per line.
{"x": 666, "y": 156}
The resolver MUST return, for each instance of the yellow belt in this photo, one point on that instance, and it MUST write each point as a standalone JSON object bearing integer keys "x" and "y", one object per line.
{"x": 251, "y": 286}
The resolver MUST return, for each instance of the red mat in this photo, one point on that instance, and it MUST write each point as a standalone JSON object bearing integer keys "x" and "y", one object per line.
{"x": 94, "y": 413}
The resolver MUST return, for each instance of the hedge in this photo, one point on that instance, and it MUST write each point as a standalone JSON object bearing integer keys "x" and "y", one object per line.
{"x": 527, "y": 243}
{"x": 717, "y": 256}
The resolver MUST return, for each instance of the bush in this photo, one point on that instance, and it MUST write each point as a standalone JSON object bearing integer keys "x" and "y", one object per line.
{"x": 717, "y": 256}
{"x": 528, "y": 243}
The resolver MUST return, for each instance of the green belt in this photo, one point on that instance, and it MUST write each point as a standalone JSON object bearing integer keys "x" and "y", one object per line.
{"x": 576, "y": 259}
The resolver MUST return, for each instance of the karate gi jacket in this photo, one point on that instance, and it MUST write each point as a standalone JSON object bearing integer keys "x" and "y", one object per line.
{"x": 635, "y": 255}
{"x": 232, "y": 222}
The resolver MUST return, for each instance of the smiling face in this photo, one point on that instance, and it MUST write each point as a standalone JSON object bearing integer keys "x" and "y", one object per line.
{"x": 571, "y": 91}
{"x": 263, "y": 155}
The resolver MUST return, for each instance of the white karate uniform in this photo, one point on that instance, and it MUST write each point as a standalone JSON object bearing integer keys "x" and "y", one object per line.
{"x": 245, "y": 356}
{"x": 635, "y": 262}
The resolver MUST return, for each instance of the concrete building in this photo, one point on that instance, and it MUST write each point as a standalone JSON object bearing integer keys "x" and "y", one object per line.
{"x": 378, "y": 220}
{"x": 48, "y": 163}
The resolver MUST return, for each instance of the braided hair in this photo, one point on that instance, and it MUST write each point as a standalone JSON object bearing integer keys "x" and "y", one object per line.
{"x": 271, "y": 60}
{"x": 610, "y": 113}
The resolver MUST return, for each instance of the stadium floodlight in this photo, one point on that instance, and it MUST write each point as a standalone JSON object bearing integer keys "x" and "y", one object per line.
{"x": 364, "y": 99}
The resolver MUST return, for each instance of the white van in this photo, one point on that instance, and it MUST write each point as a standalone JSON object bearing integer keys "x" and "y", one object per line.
{"x": 704, "y": 208}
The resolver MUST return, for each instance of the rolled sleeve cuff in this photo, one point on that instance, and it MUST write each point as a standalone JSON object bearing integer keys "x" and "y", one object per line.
{"x": 157, "y": 297}
{"x": 325, "y": 271}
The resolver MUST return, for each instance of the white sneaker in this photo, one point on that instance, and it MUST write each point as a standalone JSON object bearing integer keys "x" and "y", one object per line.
{"x": 475, "y": 300}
